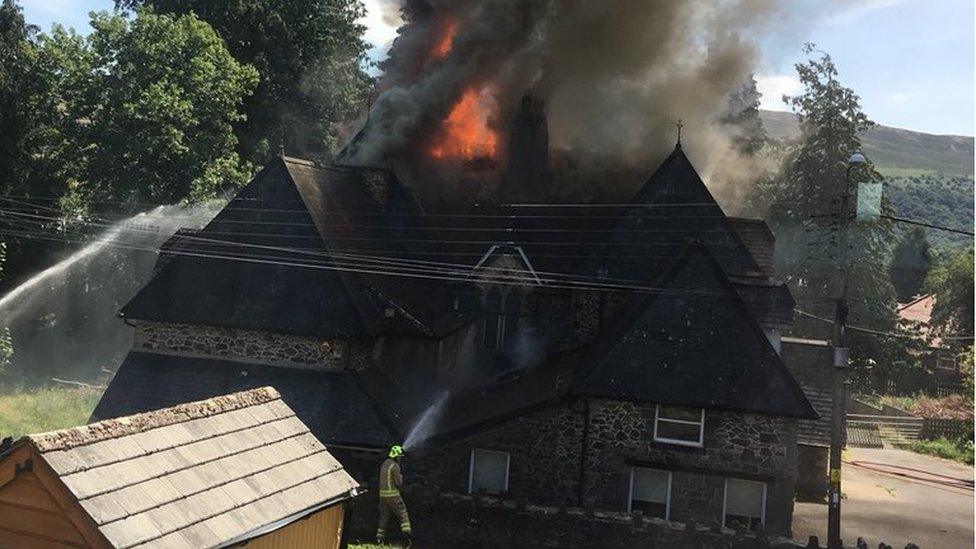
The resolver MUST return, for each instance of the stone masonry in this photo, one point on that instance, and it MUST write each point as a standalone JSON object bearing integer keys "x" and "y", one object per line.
{"x": 241, "y": 345}
{"x": 546, "y": 468}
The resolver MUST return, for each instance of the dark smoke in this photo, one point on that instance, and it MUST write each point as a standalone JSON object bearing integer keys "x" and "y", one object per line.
{"x": 615, "y": 75}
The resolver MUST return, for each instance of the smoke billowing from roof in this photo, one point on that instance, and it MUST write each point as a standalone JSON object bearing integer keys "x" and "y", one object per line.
{"x": 615, "y": 75}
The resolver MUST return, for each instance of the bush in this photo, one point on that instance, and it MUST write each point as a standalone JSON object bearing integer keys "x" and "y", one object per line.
{"x": 958, "y": 450}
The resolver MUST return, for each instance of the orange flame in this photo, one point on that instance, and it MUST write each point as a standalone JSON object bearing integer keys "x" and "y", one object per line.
{"x": 446, "y": 43}
{"x": 465, "y": 133}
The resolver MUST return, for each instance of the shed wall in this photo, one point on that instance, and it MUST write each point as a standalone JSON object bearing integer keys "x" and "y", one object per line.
{"x": 321, "y": 530}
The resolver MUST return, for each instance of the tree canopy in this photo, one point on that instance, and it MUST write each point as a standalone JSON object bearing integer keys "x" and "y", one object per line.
{"x": 311, "y": 59}
{"x": 910, "y": 264}
{"x": 952, "y": 283}
{"x": 149, "y": 102}
{"x": 807, "y": 217}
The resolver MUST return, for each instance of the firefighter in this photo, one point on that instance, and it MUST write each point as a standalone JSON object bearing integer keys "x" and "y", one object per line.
{"x": 391, "y": 503}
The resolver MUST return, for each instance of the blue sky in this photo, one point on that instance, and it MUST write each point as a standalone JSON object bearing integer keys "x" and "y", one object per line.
{"x": 910, "y": 60}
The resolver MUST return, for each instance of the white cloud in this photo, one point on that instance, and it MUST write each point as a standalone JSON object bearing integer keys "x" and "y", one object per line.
{"x": 380, "y": 26}
{"x": 773, "y": 87}
{"x": 852, "y": 10}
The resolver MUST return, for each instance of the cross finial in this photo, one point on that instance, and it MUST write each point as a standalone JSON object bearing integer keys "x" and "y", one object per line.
{"x": 679, "y": 125}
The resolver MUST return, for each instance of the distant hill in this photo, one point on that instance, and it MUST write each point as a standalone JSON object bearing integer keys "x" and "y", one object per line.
{"x": 895, "y": 151}
{"x": 928, "y": 177}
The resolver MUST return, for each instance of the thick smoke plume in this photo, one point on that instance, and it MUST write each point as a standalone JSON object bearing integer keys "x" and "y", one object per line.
{"x": 615, "y": 75}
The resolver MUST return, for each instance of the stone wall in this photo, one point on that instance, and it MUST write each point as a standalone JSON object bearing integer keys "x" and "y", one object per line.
{"x": 736, "y": 445}
{"x": 546, "y": 465}
{"x": 242, "y": 345}
{"x": 544, "y": 462}
{"x": 465, "y": 521}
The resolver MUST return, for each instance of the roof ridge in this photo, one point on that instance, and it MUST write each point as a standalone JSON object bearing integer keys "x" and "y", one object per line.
{"x": 128, "y": 425}
{"x": 916, "y": 300}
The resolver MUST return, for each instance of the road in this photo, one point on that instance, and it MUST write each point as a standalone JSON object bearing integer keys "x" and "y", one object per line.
{"x": 897, "y": 497}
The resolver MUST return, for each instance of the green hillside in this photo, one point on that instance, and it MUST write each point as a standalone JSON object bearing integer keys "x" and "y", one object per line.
{"x": 928, "y": 177}
{"x": 895, "y": 151}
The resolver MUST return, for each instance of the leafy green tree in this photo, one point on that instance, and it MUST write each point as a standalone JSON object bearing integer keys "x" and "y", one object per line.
{"x": 952, "y": 283}
{"x": 807, "y": 214}
{"x": 310, "y": 56}
{"x": 910, "y": 264}
{"x": 152, "y": 101}
{"x": 742, "y": 113}
{"x": 18, "y": 90}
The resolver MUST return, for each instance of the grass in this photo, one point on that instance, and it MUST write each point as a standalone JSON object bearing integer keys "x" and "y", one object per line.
{"x": 34, "y": 411}
{"x": 944, "y": 448}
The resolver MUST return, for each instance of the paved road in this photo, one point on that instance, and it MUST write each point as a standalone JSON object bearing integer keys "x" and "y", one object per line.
{"x": 898, "y": 496}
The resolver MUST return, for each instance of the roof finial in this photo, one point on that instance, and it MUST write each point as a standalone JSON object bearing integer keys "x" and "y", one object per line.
{"x": 679, "y": 125}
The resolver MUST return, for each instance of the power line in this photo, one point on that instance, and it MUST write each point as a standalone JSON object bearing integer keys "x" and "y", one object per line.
{"x": 878, "y": 332}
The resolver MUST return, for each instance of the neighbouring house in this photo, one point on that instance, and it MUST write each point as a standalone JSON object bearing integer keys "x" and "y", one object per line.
{"x": 620, "y": 357}
{"x": 936, "y": 357}
{"x": 233, "y": 470}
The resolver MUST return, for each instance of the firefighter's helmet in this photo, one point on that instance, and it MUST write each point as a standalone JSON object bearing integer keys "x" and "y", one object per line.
{"x": 396, "y": 451}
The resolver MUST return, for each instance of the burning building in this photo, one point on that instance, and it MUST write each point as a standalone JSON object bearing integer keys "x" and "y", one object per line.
{"x": 618, "y": 355}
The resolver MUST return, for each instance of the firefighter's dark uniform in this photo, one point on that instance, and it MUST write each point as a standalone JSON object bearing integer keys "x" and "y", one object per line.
{"x": 391, "y": 478}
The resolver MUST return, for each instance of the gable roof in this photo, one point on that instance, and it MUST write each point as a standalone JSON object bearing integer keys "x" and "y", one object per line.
{"x": 202, "y": 474}
{"x": 301, "y": 249}
{"x": 693, "y": 343}
{"x": 332, "y": 404}
{"x": 673, "y": 207}
{"x": 240, "y": 270}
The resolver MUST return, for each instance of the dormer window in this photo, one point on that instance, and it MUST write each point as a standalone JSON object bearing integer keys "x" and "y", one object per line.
{"x": 502, "y": 308}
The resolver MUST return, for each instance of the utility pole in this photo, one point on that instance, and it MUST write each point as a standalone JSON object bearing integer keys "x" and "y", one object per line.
{"x": 837, "y": 417}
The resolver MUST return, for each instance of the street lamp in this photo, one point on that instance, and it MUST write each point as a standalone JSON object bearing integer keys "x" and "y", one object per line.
{"x": 840, "y": 363}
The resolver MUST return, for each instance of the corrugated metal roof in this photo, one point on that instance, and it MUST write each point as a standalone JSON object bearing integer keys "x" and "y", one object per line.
{"x": 198, "y": 474}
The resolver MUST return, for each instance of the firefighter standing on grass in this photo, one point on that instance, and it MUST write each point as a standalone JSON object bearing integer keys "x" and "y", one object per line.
{"x": 391, "y": 503}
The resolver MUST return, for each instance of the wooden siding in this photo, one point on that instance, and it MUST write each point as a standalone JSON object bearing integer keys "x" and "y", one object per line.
{"x": 31, "y": 517}
{"x": 321, "y": 530}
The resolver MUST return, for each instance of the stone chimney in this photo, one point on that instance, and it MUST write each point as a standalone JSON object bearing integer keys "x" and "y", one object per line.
{"x": 528, "y": 151}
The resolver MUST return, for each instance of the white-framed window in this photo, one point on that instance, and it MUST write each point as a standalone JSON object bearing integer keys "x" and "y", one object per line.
{"x": 745, "y": 503}
{"x": 679, "y": 425}
{"x": 488, "y": 472}
{"x": 650, "y": 492}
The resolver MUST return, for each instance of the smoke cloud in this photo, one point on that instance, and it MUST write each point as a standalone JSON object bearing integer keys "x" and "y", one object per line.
{"x": 615, "y": 75}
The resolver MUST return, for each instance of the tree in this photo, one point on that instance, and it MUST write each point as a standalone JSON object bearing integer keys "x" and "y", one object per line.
{"x": 742, "y": 113}
{"x": 951, "y": 281}
{"x": 150, "y": 103}
{"x": 910, "y": 264}
{"x": 17, "y": 88}
{"x": 310, "y": 56}
{"x": 806, "y": 217}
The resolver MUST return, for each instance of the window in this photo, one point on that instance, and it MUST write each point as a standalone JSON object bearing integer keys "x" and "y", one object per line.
{"x": 502, "y": 310}
{"x": 745, "y": 503}
{"x": 489, "y": 472}
{"x": 677, "y": 425}
{"x": 650, "y": 492}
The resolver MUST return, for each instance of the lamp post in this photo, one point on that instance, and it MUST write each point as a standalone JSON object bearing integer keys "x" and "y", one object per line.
{"x": 840, "y": 363}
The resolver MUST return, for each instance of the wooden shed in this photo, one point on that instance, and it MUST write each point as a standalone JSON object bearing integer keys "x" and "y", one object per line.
{"x": 233, "y": 470}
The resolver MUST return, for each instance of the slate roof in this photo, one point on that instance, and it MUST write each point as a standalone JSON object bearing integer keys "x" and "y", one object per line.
{"x": 695, "y": 343}
{"x": 295, "y": 252}
{"x": 201, "y": 474}
{"x": 332, "y": 404}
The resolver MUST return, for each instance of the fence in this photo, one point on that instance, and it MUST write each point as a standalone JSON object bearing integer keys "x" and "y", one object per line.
{"x": 953, "y": 429}
{"x": 877, "y": 431}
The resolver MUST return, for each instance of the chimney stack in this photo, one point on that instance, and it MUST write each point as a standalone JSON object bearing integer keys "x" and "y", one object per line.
{"x": 528, "y": 151}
